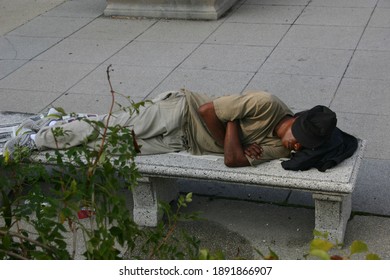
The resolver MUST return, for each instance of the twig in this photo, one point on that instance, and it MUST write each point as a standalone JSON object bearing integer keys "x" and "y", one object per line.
{"x": 12, "y": 254}
{"x": 171, "y": 230}
{"x": 22, "y": 237}
{"x": 104, "y": 135}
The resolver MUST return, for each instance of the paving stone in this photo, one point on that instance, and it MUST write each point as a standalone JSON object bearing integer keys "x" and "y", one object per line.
{"x": 335, "y": 16}
{"x": 376, "y": 39}
{"x": 90, "y": 103}
{"x": 380, "y": 18}
{"x": 308, "y": 61}
{"x": 330, "y": 37}
{"x": 362, "y": 96}
{"x": 373, "y": 128}
{"x": 369, "y": 65}
{"x": 266, "y": 14}
{"x": 8, "y": 66}
{"x": 82, "y": 50}
{"x": 57, "y": 27}
{"x": 344, "y": 3}
{"x": 127, "y": 80}
{"x": 372, "y": 189}
{"x": 248, "y": 34}
{"x": 227, "y": 57}
{"x": 17, "y": 47}
{"x": 298, "y": 92}
{"x": 17, "y": 12}
{"x": 25, "y": 101}
{"x": 374, "y": 231}
{"x": 218, "y": 82}
{"x": 170, "y": 31}
{"x": 46, "y": 76}
{"x": 383, "y": 4}
{"x": 278, "y": 2}
{"x": 113, "y": 29}
{"x": 84, "y": 8}
{"x": 153, "y": 54}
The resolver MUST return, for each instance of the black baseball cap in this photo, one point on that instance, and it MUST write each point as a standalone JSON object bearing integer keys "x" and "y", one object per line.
{"x": 314, "y": 127}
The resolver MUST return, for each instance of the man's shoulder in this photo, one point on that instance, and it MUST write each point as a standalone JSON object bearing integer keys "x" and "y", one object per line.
{"x": 263, "y": 96}
{"x": 270, "y": 101}
{"x": 257, "y": 92}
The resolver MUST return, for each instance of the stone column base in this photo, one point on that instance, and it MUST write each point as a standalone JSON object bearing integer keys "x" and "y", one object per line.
{"x": 172, "y": 9}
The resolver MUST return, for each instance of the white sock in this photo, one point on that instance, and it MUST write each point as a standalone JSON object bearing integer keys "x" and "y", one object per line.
{"x": 52, "y": 123}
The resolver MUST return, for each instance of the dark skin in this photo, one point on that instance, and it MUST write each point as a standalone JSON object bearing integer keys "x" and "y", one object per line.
{"x": 228, "y": 136}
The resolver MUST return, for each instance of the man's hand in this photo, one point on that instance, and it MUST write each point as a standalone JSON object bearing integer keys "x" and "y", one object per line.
{"x": 254, "y": 151}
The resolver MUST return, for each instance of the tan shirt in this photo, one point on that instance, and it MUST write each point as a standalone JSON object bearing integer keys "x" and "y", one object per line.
{"x": 258, "y": 114}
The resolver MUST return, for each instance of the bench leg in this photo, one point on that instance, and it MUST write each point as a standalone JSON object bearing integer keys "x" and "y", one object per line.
{"x": 146, "y": 195}
{"x": 331, "y": 215}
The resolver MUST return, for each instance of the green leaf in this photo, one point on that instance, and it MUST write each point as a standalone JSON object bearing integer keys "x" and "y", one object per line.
{"x": 6, "y": 155}
{"x": 189, "y": 197}
{"x": 358, "y": 247}
{"x": 272, "y": 255}
{"x": 323, "y": 255}
{"x": 181, "y": 202}
{"x": 7, "y": 241}
{"x": 321, "y": 234}
{"x": 7, "y": 209}
{"x": 320, "y": 244}
{"x": 372, "y": 256}
{"x": 102, "y": 158}
{"x": 204, "y": 254}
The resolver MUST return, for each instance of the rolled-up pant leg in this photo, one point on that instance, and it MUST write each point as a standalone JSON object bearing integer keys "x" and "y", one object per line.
{"x": 75, "y": 133}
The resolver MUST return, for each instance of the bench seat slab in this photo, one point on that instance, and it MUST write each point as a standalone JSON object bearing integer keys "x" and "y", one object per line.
{"x": 331, "y": 189}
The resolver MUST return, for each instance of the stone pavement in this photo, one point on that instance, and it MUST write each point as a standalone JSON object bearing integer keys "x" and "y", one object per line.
{"x": 307, "y": 52}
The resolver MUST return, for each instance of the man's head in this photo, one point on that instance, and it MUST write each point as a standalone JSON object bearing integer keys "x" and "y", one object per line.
{"x": 314, "y": 127}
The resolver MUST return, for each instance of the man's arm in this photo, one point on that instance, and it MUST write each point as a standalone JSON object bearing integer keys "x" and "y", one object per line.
{"x": 228, "y": 137}
{"x": 234, "y": 155}
{"x": 214, "y": 125}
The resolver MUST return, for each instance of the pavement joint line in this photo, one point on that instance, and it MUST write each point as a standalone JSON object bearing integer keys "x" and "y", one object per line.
{"x": 102, "y": 63}
{"x": 234, "y": 8}
{"x": 34, "y": 18}
{"x": 353, "y": 54}
{"x": 277, "y": 44}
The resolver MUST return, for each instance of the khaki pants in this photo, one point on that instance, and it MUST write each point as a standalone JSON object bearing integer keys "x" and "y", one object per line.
{"x": 158, "y": 127}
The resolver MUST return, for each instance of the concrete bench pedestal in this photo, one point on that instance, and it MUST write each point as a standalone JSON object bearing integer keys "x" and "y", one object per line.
{"x": 146, "y": 195}
{"x": 173, "y": 9}
{"x": 331, "y": 214}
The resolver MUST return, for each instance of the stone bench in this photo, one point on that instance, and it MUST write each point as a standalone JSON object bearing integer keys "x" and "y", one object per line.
{"x": 331, "y": 190}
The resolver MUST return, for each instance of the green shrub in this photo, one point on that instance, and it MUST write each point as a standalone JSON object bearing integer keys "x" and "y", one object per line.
{"x": 37, "y": 224}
